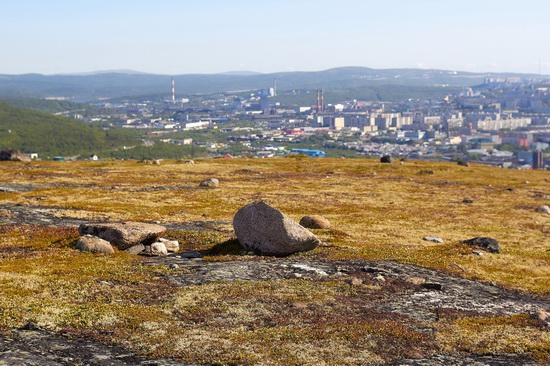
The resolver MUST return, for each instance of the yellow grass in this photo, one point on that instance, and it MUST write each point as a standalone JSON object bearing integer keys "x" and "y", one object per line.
{"x": 378, "y": 212}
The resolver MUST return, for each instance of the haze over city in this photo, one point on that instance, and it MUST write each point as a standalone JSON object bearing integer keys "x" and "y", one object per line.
{"x": 213, "y": 36}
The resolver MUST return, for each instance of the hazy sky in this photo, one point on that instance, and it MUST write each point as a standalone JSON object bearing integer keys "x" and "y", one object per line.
{"x": 209, "y": 36}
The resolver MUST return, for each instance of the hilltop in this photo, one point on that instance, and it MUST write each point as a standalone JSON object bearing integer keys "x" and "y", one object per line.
{"x": 373, "y": 293}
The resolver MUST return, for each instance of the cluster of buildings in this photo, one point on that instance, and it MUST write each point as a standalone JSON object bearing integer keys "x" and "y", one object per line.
{"x": 504, "y": 122}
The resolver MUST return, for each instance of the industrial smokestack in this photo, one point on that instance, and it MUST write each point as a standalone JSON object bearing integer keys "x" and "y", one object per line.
{"x": 173, "y": 91}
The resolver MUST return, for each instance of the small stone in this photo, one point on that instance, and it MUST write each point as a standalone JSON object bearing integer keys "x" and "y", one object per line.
{"x": 171, "y": 245}
{"x": 190, "y": 162}
{"x": 174, "y": 266}
{"x": 210, "y": 182}
{"x": 463, "y": 163}
{"x": 467, "y": 200}
{"x": 425, "y": 172}
{"x": 416, "y": 280}
{"x": 510, "y": 189}
{"x": 136, "y": 249}
{"x": 432, "y": 286}
{"x": 543, "y": 318}
{"x": 543, "y": 209}
{"x": 159, "y": 249}
{"x": 478, "y": 252}
{"x": 380, "y": 278}
{"x": 489, "y": 244}
{"x": 156, "y": 162}
{"x": 306, "y": 268}
{"x": 356, "y": 281}
{"x": 433, "y": 239}
{"x": 386, "y": 159}
{"x": 191, "y": 254}
{"x": 315, "y": 222}
{"x": 93, "y": 244}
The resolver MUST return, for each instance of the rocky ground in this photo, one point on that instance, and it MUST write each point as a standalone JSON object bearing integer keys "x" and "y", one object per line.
{"x": 426, "y": 293}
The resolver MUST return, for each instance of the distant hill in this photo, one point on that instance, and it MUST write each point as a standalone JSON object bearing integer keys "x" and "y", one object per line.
{"x": 240, "y": 73}
{"x": 123, "y": 84}
{"x": 43, "y": 105}
{"x": 37, "y": 132}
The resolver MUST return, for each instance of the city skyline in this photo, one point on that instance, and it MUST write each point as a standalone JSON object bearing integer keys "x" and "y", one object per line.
{"x": 186, "y": 37}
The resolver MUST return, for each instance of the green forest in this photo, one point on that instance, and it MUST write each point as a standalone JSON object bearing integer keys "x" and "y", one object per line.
{"x": 35, "y": 132}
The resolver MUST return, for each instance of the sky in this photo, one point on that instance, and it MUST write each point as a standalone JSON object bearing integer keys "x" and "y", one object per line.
{"x": 174, "y": 37}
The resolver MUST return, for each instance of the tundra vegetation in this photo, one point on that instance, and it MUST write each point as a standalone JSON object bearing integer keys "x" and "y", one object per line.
{"x": 377, "y": 211}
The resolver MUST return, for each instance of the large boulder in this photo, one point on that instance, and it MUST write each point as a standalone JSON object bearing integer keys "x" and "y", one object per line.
{"x": 315, "y": 222}
{"x": 93, "y": 244}
{"x": 264, "y": 230}
{"x": 124, "y": 235}
{"x": 14, "y": 155}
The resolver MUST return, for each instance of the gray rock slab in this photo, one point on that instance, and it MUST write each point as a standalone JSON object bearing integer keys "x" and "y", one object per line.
{"x": 124, "y": 235}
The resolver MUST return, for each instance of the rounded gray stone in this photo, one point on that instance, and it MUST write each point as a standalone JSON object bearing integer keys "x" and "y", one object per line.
{"x": 266, "y": 231}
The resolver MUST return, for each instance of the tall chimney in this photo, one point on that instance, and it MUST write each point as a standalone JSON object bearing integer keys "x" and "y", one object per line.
{"x": 173, "y": 91}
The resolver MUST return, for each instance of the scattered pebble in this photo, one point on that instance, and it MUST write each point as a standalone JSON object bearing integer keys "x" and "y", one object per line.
{"x": 416, "y": 280}
{"x": 432, "y": 286}
{"x": 543, "y": 318}
{"x": 433, "y": 239}
{"x": 191, "y": 254}
{"x": 356, "y": 281}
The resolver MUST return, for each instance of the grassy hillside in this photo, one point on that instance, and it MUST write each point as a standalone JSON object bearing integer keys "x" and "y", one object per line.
{"x": 36, "y": 132}
{"x": 378, "y": 212}
{"x": 47, "y": 106}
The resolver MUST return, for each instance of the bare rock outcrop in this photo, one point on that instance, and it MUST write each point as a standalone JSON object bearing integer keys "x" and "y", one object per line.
{"x": 266, "y": 231}
{"x": 124, "y": 235}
